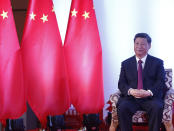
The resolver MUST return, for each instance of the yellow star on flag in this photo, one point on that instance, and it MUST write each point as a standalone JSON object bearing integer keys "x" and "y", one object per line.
{"x": 4, "y": 14}
{"x": 44, "y": 18}
{"x": 32, "y": 16}
{"x": 86, "y": 15}
{"x": 74, "y": 12}
{"x": 53, "y": 10}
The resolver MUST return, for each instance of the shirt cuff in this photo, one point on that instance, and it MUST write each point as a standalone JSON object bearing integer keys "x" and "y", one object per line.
{"x": 129, "y": 92}
{"x": 151, "y": 94}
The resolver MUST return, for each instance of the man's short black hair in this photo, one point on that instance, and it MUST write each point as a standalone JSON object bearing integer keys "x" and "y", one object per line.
{"x": 143, "y": 35}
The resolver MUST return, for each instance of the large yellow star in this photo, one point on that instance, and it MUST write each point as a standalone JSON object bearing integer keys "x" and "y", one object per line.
{"x": 74, "y": 12}
{"x": 86, "y": 15}
{"x": 32, "y": 16}
{"x": 4, "y": 14}
{"x": 44, "y": 18}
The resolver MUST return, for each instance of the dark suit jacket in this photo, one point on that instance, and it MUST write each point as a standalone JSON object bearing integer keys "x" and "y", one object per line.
{"x": 153, "y": 76}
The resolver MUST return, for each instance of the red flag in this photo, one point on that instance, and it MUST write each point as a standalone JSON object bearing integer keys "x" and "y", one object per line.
{"x": 84, "y": 58}
{"x": 12, "y": 94}
{"x": 43, "y": 59}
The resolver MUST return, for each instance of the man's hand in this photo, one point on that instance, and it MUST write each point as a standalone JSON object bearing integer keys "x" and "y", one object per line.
{"x": 144, "y": 93}
{"x": 139, "y": 93}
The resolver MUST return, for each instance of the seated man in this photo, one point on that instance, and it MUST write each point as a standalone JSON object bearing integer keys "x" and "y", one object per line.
{"x": 142, "y": 86}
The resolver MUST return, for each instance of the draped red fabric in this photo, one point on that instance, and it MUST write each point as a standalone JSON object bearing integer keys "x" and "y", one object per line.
{"x": 12, "y": 94}
{"x": 43, "y": 61}
{"x": 83, "y": 55}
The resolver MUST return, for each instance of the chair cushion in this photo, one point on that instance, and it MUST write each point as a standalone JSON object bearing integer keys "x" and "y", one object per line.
{"x": 139, "y": 117}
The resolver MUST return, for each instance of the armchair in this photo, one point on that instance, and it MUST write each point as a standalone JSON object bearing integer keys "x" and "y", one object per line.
{"x": 140, "y": 116}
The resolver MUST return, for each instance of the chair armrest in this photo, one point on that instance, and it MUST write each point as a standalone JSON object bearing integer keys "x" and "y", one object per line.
{"x": 114, "y": 99}
{"x": 168, "y": 105}
{"x": 169, "y": 97}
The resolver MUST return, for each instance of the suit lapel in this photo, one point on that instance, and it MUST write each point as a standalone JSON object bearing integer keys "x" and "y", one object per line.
{"x": 146, "y": 67}
{"x": 134, "y": 68}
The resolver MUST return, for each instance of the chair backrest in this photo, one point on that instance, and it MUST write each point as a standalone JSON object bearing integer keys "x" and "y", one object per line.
{"x": 168, "y": 78}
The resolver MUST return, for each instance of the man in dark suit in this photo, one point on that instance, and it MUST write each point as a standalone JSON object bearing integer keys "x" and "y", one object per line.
{"x": 142, "y": 85}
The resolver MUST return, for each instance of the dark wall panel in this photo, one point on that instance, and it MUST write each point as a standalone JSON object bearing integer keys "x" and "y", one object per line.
{"x": 19, "y": 17}
{"x": 19, "y": 4}
{"x": 19, "y": 11}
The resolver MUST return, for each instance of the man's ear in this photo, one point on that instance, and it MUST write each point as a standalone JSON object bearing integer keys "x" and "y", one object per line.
{"x": 149, "y": 46}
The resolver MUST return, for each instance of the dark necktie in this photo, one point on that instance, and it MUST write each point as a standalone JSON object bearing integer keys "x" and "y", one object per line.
{"x": 140, "y": 81}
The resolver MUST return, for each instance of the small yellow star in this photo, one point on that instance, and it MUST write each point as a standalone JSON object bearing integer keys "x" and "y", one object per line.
{"x": 44, "y": 18}
{"x": 32, "y": 16}
{"x": 86, "y": 15}
{"x": 53, "y": 10}
{"x": 4, "y": 14}
{"x": 74, "y": 12}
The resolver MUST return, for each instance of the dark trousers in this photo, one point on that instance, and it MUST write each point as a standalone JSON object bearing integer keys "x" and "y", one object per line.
{"x": 127, "y": 106}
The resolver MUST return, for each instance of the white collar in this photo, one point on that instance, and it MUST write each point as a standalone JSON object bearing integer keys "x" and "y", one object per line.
{"x": 142, "y": 59}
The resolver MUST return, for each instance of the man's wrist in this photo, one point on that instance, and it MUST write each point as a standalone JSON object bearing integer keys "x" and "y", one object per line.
{"x": 129, "y": 91}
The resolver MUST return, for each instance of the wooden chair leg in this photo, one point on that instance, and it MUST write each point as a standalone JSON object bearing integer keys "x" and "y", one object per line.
{"x": 113, "y": 126}
{"x": 114, "y": 121}
{"x": 169, "y": 126}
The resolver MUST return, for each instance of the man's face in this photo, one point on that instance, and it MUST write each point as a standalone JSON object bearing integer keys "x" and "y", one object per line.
{"x": 141, "y": 47}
